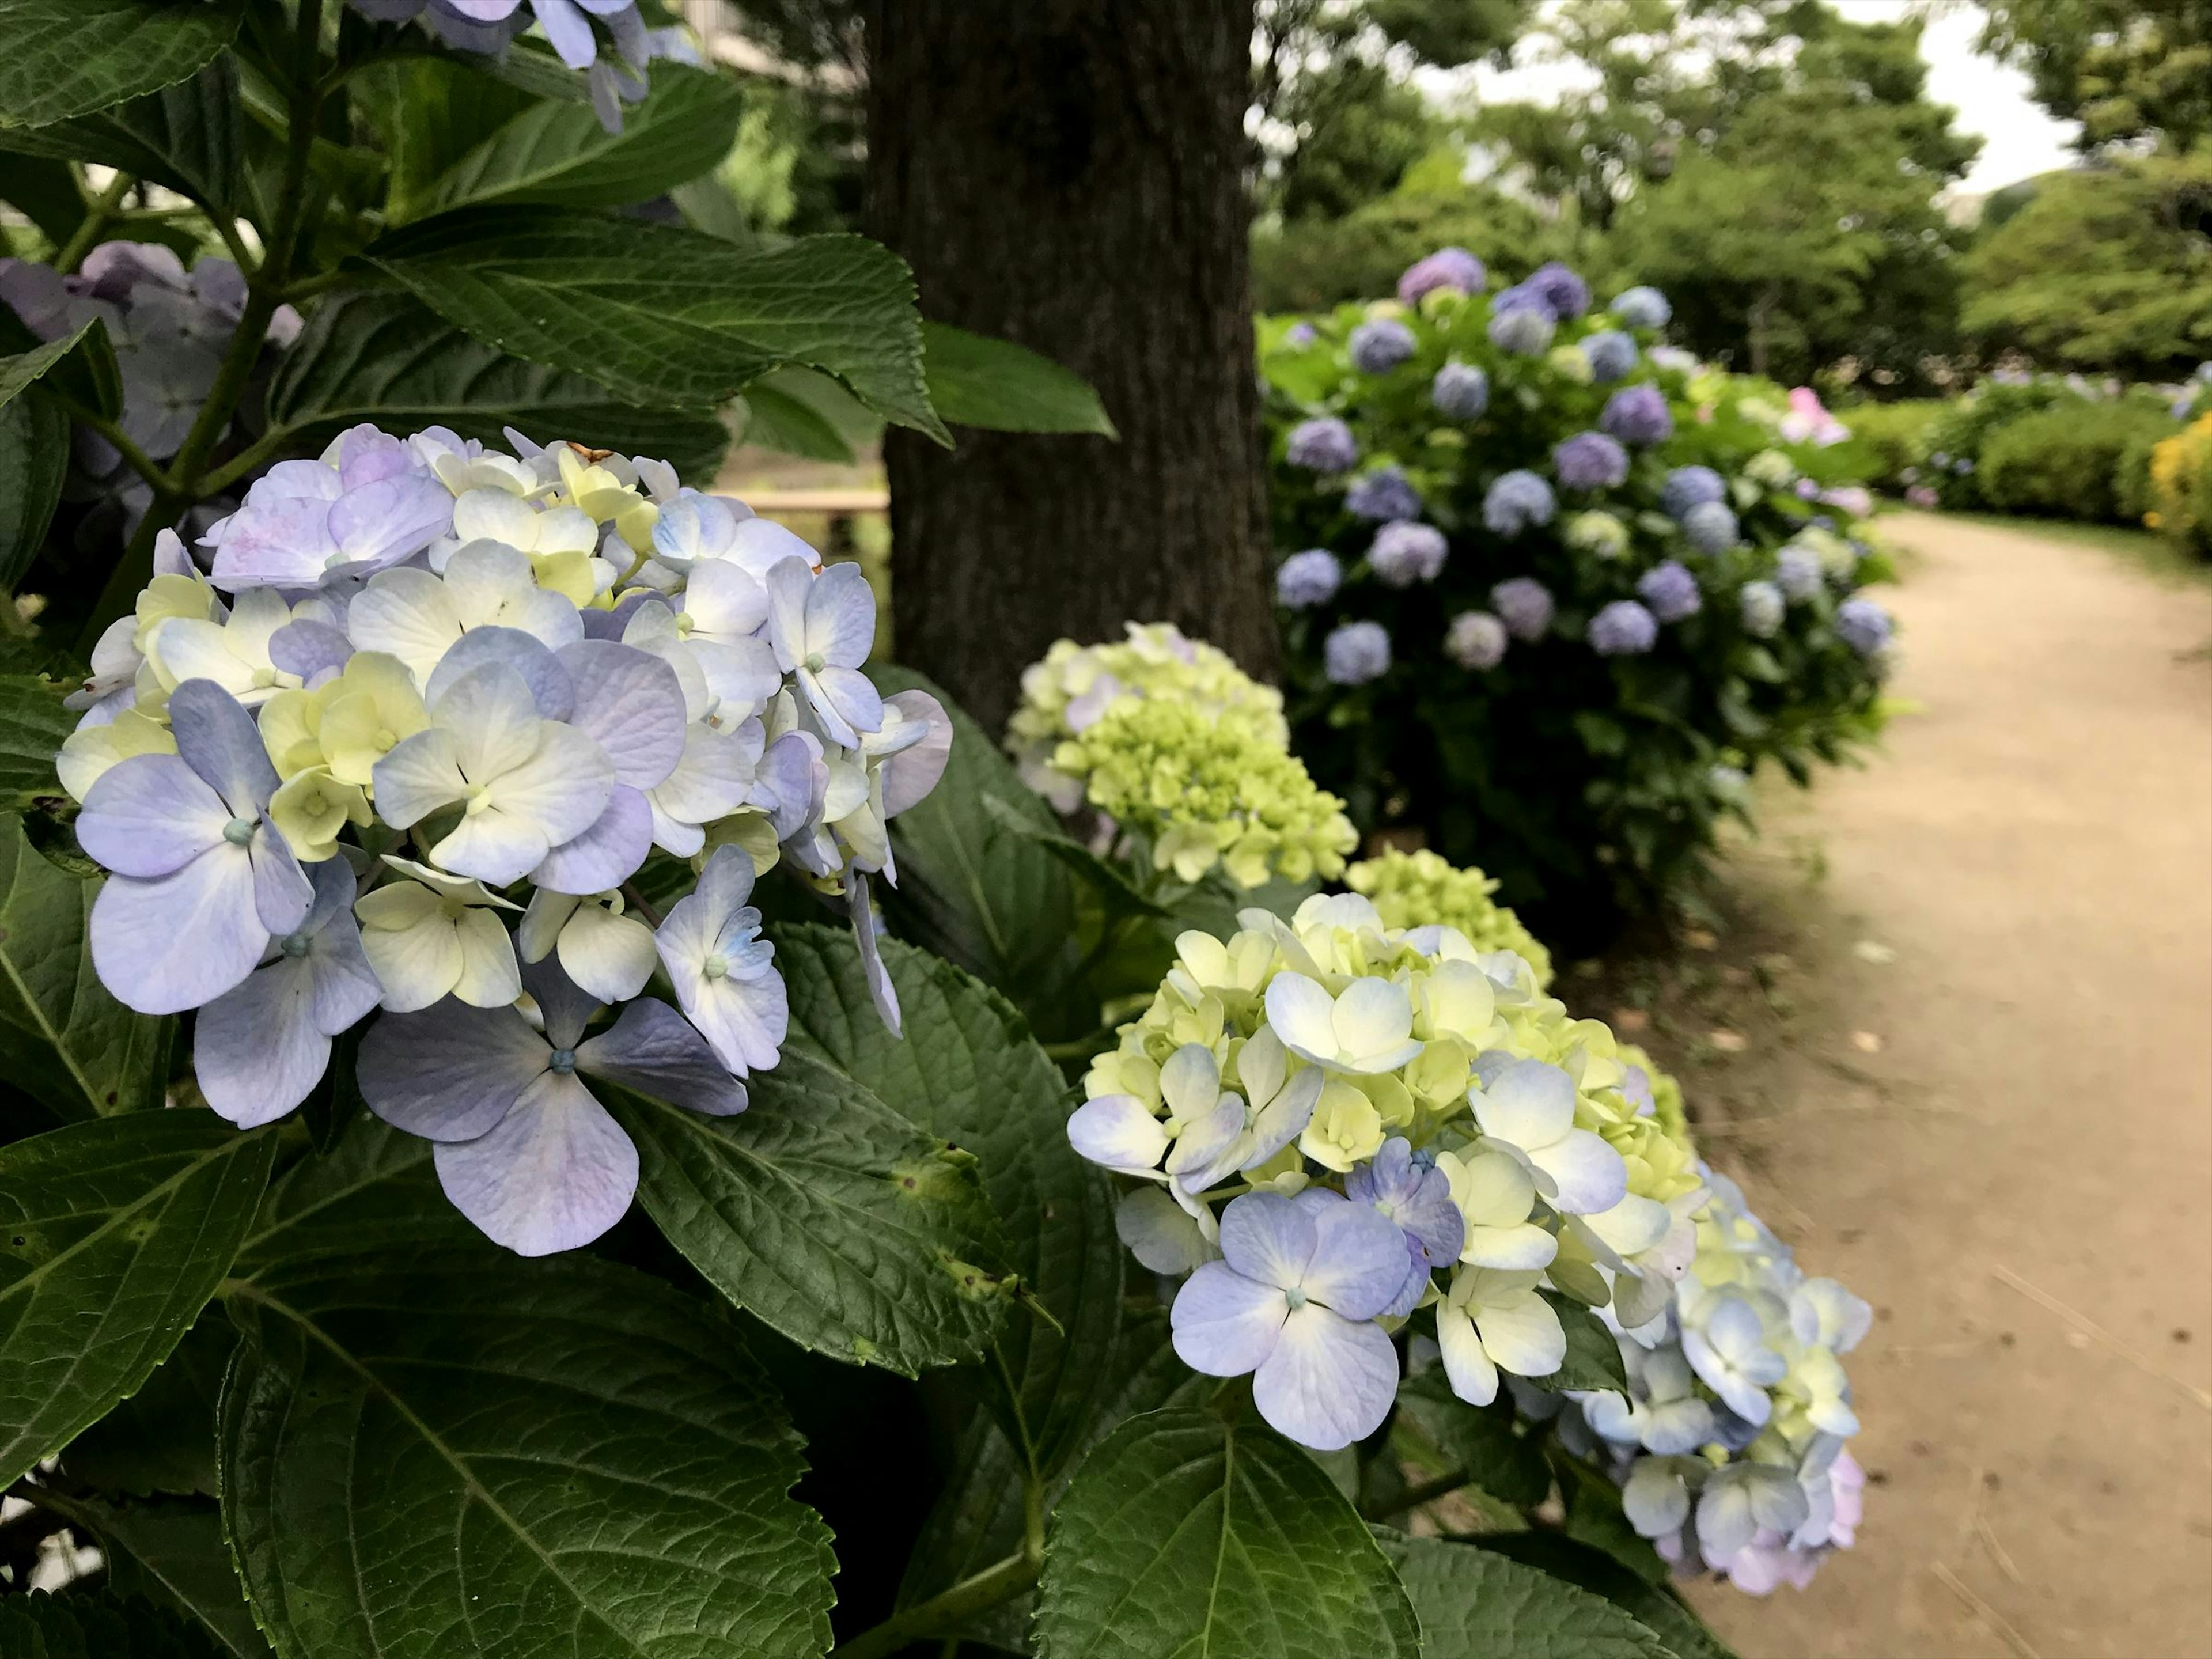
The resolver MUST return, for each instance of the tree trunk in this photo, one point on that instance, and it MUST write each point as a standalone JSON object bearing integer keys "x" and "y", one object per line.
{"x": 1069, "y": 174}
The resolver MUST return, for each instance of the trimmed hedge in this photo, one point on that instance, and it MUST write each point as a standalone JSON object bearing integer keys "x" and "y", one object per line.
{"x": 2074, "y": 460}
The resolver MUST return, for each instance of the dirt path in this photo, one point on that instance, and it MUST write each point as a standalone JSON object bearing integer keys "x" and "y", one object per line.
{"x": 1978, "y": 1089}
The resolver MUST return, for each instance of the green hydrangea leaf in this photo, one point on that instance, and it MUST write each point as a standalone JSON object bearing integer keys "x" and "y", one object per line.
{"x": 64, "y": 1042}
{"x": 999, "y": 386}
{"x": 69, "y": 57}
{"x": 1473, "y": 1604}
{"x": 664, "y": 315}
{"x": 466, "y": 1453}
{"x": 1653, "y": 1606}
{"x": 559, "y": 154}
{"x": 1185, "y": 1534}
{"x": 839, "y": 1221}
{"x": 385, "y": 357}
{"x": 186, "y": 137}
{"x": 97, "y": 1624}
{"x": 34, "y": 451}
{"x": 171, "y": 1552}
{"x": 113, "y": 1235}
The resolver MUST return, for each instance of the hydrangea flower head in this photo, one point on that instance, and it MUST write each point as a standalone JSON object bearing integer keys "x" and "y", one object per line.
{"x": 1308, "y": 578}
{"x": 1323, "y": 444}
{"x": 1523, "y": 330}
{"x": 1525, "y": 606}
{"x": 423, "y": 637}
{"x": 1798, "y": 573}
{"x": 1643, "y": 307}
{"x": 1598, "y": 533}
{"x": 1406, "y": 552}
{"x": 1863, "y": 625}
{"x": 1590, "y": 460}
{"x": 1761, "y": 605}
{"x": 1378, "y": 346}
{"x": 1623, "y": 629}
{"x": 1711, "y": 527}
{"x": 1565, "y": 293}
{"x": 1476, "y": 641}
{"x": 1639, "y": 415}
{"x": 1420, "y": 890}
{"x": 1383, "y": 496}
{"x": 1460, "y": 391}
{"x": 1518, "y": 501}
{"x": 1669, "y": 592}
{"x": 1611, "y": 355}
{"x": 1451, "y": 268}
{"x": 1356, "y": 653}
{"x": 1690, "y": 486}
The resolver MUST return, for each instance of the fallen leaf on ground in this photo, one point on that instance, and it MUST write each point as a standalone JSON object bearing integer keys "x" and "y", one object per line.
{"x": 1728, "y": 1042}
{"x": 1874, "y": 951}
{"x": 1867, "y": 1042}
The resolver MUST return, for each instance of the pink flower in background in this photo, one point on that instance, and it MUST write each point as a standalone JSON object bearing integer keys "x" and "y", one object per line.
{"x": 1922, "y": 496}
{"x": 1809, "y": 419}
{"x": 1849, "y": 498}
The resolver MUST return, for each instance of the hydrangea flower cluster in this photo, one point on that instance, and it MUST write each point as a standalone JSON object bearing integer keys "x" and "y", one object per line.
{"x": 1065, "y": 694}
{"x": 169, "y": 328}
{"x": 1164, "y": 737}
{"x": 1729, "y": 1445}
{"x": 1414, "y": 890}
{"x": 403, "y": 741}
{"x": 1333, "y": 1126}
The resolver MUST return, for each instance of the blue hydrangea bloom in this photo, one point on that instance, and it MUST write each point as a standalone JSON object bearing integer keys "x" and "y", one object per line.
{"x": 1797, "y": 573}
{"x": 1523, "y": 296}
{"x": 1590, "y": 460}
{"x": 1639, "y": 415}
{"x": 1307, "y": 578}
{"x": 1454, "y": 268}
{"x": 1323, "y": 444}
{"x": 1690, "y": 486}
{"x": 1518, "y": 501}
{"x": 1762, "y": 605}
{"x": 1963, "y": 466}
{"x": 1567, "y": 295}
{"x": 1406, "y": 552}
{"x": 1379, "y": 347}
{"x": 1293, "y": 1301}
{"x": 1476, "y": 641}
{"x": 1460, "y": 391}
{"x": 1525, "y": 606}
{"x": 1383, "y": 496}
{"x": 1356, "y": 653}
{"x": 1711, "y": 527}
{"x": 1670, "y": 592}
{"x": 1643, "y": 307}
{"x": 1415, "y": 1196}
{"x": 1623, "y": 629}
{"x": 1863, "y": 625}
{"x": 1299, "y": 335}
{"x": 1612, "y": 355}
{"x": 1524, "y": 331}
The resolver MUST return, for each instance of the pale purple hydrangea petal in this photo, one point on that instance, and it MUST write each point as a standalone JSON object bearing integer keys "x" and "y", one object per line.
{"x": 1266, "y": 1237}
{"x": 1118, "y": 1132}
{"x": 1358, "y": 1262}
{"x": 451, "y": 1072}
{"x": 744, "y": 1011}
{"x": 282, "y": 891}
{"x": 219, "y": 740}
{"x": 551, "y": 690}
{"x": 860, "y": 905}
{"x": 1225, "y": 1324}
{"x": 656, "y": 1051}
{"x": 256, "y": 1051}
{"x": 310, "y": 649}
{"x": 554, "y": 1174}
{"x": 607, "y": 853}
{"x": 1328, "y": 1381}
{"x": 149, "y": 815}
{"x": 631, "y": 703}
{"x": 909, "y": 775}
{"x": 136, "y": 927}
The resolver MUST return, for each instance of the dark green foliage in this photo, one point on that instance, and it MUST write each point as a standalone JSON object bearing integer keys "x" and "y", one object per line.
{"x": 2075, "y": 461}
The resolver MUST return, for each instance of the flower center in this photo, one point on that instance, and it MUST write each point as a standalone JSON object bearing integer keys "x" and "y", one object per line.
{"x": 264, "y": 678}
{"x": 683, "y": 623}
{"x": 479, "y": 798}
{"x": 716, "y": 966}
{"x": 1296, "y": 1299}
{"x": 385, "y": 737}
{"x": 294, "y": 945}
{"x": 239, "y": 831}
{"x": 563, "y": 1061}
{"x": 815, "y": 662}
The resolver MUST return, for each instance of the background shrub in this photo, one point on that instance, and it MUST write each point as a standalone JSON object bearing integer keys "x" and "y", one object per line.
{"x": 2072, "y": 461}
{"x": 2181, "y": 487}
{"x": 1893, "y": 437}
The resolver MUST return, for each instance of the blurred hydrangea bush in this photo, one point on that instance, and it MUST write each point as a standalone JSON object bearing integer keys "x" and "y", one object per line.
{"x": 1550, "y": 589}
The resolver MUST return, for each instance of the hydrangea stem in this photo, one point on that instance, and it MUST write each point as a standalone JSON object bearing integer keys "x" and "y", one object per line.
{"x": 98, "y": 212}
{"x": 942, "y": 1612}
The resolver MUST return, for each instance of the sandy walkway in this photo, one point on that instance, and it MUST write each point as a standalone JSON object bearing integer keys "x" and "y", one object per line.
{"x": 2019, "y": 1176}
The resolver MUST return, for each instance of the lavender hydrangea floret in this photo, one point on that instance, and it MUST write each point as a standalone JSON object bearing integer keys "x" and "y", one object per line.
{"x": 1308, "y": 578}
{"x": 1670, "y": 592}
{"x": 1460, "y": 391}
{"x": 1525, "y": 606}
{"x": 1380, "y": 346}
{"x": 1623, "y": 629}
{"x": 1323, "y": 444}
{"x": 1356, "y": 653}
{"x": 1383, "y": 496}
{"x": 1518, "y": 501}
{"x": 1406, "y": 552}
{"x": 1590, "y": 460}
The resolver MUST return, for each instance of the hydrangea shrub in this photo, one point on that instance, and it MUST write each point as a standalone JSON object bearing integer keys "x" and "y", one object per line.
{"x": 1548, "y": 622}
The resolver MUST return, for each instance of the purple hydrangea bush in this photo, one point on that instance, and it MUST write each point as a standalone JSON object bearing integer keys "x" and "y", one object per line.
{"x": 1631, "y": 521}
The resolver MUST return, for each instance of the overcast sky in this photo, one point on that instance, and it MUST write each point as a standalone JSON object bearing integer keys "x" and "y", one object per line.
{"x": 2019, "y": 140}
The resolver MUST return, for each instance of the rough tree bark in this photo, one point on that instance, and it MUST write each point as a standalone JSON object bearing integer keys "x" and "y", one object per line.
{"x": 1069, "y": 174}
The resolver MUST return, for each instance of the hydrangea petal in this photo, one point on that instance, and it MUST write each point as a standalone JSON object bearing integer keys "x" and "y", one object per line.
{"x": 137, "y": 924}
{"x": 1473, "y": 1378}
{"x": 553, "y": 1175}
{"x": 219, "y": 740}
{"x": 1160, "y": 1233}
{"x": 1524, "y": 1337}
{"x": 148, "y": 815}
{"x": 1267, "y": 1237}
{"x": 1588, "y": 1175}
{"x": 551, "y": 691}
{"x": 1359, "y": 1261}
{"x": 1527, "y": 1102}
{"x": 606, "y": 855}
{"x": 1224, "y": 1324}
{"x": 655, "y": 1050}
{"x": 451, "y": 1072}
{"x": 1120, "y": 1132}
{"x": 256, "y": 1050}
{"x": 630, "y": 702}
{"x": 610, "y": 956}
{"x": 1329, "y": 1381}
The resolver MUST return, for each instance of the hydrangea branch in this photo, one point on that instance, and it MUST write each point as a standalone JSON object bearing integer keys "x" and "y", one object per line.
{"x": 99, "y": 211}
{"x": 945, "y": 1613}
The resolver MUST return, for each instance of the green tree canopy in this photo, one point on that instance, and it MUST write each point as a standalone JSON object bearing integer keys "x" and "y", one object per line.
{"x": 2106, "y": 267}
{"x": 2127, "y": 70}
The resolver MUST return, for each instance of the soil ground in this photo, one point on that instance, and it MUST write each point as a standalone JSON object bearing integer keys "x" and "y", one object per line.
{"x": 1954, "y": 1027}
